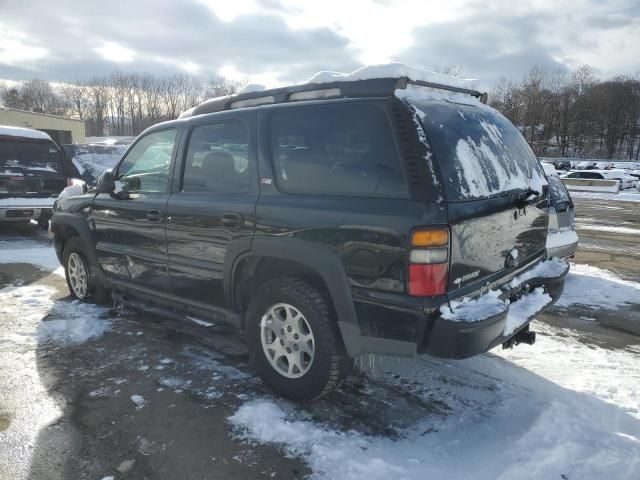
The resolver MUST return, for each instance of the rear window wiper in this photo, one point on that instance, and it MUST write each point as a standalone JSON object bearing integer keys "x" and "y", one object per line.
{"x": 526, "y": 197}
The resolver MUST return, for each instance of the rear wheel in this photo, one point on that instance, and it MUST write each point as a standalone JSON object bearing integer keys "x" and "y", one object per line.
{"x": 82, "y": 285}
{"x": 294, "y": 341}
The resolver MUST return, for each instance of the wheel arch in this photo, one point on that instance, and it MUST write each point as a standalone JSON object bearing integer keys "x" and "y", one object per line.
{"x": 272, "y": 257}
{"x": 67, "y": 225}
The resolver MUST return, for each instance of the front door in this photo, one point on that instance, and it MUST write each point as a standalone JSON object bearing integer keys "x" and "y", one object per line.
{"x": 130, "y": 225}
{"x": 211, "y": 211}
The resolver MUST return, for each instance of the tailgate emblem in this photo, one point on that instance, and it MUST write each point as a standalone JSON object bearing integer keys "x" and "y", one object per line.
{"x": 466, "y": 277}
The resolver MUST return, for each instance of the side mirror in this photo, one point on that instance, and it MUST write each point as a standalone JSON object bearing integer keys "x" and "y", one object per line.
{"x": 106, "y": 182}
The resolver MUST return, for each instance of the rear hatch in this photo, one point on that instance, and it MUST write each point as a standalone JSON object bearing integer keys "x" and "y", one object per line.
{"x": 30, "y": 168}
{"x": 495, "y": 189}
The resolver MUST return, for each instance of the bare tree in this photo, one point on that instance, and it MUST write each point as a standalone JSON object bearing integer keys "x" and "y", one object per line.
{"x": 77, "y": 97}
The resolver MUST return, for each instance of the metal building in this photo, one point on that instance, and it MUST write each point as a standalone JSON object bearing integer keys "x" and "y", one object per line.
{"x": 61, "y": 129}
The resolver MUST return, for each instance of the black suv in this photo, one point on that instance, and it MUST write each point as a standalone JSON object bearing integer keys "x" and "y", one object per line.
{"x": 325, "y": 221}
{"x": 32, "y": 174}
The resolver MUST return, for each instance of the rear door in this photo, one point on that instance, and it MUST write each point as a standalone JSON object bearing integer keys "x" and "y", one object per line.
{"x": 211, "y": 212}
{"x": 30, "y": 167}
{"x": 496, "y": 191}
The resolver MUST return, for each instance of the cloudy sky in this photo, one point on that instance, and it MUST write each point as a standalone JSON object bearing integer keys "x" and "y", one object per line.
{"x": 280, "y": 41}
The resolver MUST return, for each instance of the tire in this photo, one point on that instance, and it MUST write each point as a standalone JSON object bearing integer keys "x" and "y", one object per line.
{"x": 314, "y": 371}
{"x": 78, "y": 273}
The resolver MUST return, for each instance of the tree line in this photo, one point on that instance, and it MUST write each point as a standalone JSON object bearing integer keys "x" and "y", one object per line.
{"x": 560, "y": 114}
{"x": 573, "y": 114}
{"x": 121, "y": 104}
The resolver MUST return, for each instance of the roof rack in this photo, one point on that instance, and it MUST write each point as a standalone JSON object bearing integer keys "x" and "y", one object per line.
{"x": 379, "y": 87}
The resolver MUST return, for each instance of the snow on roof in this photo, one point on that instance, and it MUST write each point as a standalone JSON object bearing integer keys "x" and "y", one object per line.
{"x": 549, "y": 169}
{"x": 23, "y": 132}
{"x": 250, "y": 88}
{"x": 390, "y": 70}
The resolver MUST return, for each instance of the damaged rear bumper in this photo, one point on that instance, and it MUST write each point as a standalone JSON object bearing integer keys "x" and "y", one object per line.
{"x": 475, "y": 326}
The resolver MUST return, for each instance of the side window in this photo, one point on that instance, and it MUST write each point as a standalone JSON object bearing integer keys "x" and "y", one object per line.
{"x": 146, "y": 166}
{"x": 217, "y": 159}
{"x": 336, "y": 149}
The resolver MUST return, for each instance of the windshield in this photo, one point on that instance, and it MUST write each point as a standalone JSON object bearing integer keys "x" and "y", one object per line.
{"x": 18, "y": 155}
{"x": 481, "y": 154}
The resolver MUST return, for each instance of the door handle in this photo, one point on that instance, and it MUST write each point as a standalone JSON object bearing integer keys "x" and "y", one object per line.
{"x": 154, "y": 215}
{"x": 231, "y": 220}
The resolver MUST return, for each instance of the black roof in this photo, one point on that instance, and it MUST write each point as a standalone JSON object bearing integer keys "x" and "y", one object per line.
{"x": 375, "y": 87}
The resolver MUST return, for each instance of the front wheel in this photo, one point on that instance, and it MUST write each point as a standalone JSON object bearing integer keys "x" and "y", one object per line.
{"x": 82, "y": 285}
{"x": 294, "y": 340}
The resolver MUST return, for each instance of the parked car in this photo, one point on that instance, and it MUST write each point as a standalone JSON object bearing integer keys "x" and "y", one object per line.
{"x": 90, "y": 160}
{"x": 585, "y": 165}
{"x": 563, "y": 165}
{"x": 626, "y": 180}
{"x": 319, "y": 221}
{"x": 562, "y": 241}
{"x": 31, "y": 175}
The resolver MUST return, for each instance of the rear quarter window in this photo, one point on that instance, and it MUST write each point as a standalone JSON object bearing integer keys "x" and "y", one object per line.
{"x": 336, "y": 149}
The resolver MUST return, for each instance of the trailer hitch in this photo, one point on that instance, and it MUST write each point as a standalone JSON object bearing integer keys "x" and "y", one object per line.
{"x": 523, "y": 336}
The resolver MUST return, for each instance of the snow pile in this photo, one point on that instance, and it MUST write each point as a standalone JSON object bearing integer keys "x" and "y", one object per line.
{"x": 561, "y": 238}
{"x": 467, "y": 310}
{"x": 23, "y": 133}
{"x": 523, "y": 310}
{"x": 53, "y": 322}
{"x": 417, "y": 94}
{"x": 138, "y": 400}
{"x": 548, "y": 269}
{"x": 74, "y": 322}
{"x": 489, "y": 304}
{"x": 251, "y": 88}
{"x": 30, "y": 252}
{"x": 596, "y": 287}
{"x": 390, "y": 70}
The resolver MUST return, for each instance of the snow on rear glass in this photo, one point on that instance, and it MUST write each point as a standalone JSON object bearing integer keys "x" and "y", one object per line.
{"x": 479, "y": 151}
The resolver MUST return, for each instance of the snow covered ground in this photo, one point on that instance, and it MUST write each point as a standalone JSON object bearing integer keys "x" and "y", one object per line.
{"x": 630, "y": 195}
{"x": 542, "y": 412}
{"x": 567, "y": 407}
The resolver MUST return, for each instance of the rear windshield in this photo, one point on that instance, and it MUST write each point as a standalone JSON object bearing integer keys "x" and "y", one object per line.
{"x": 481, "y": 154}
{"x": 18, "y": 155}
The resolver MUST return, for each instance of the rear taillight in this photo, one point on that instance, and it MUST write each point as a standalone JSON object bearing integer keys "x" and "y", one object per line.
{"x": 429, "y": 262}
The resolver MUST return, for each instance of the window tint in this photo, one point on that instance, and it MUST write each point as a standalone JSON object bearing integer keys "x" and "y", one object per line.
{"x": 218, "y": 159}
{"x": 339, "y": 149}
{"x": 146, "y": 166}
